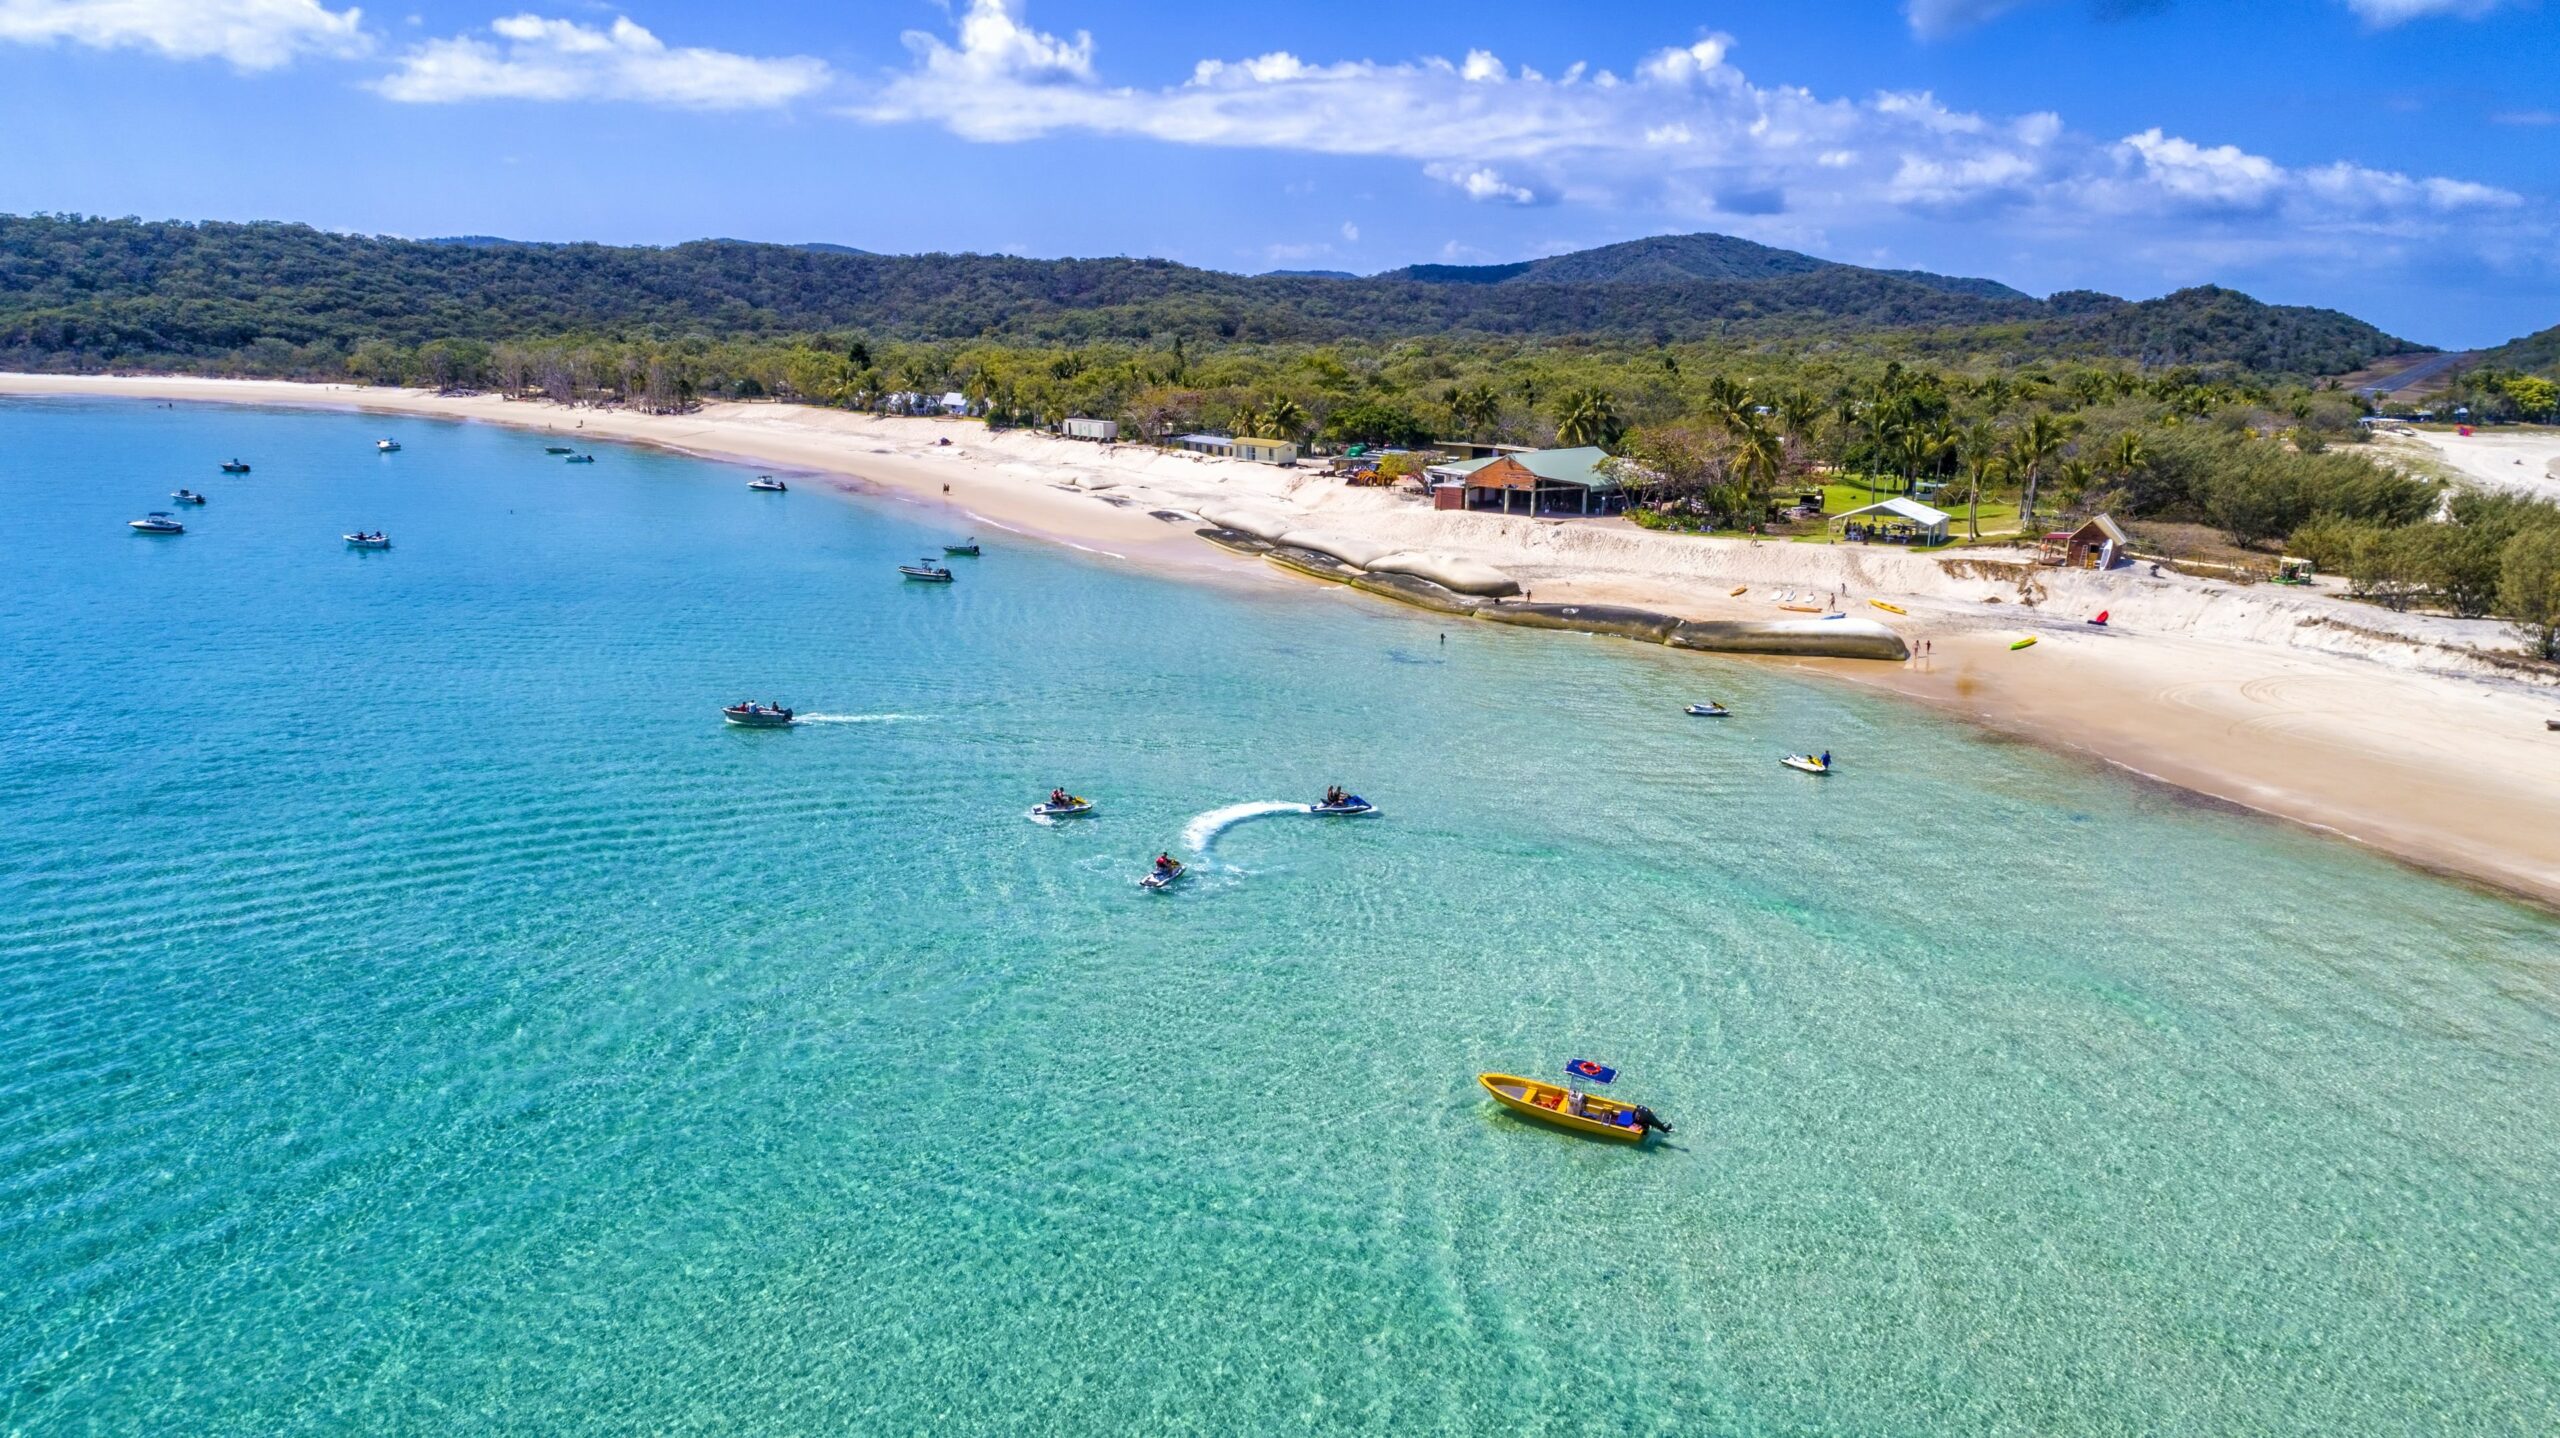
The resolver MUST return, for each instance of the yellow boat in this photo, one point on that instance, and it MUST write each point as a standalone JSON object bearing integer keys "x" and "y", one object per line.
{"x": 1550, "y": 1103}
{"x": 1888, "y": 608}
{"x": 2024, "y": 643}
{"x": 1741, "y": 590}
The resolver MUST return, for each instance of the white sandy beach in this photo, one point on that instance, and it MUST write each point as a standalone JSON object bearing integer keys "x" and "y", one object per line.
{"x": 2403, "y": 732}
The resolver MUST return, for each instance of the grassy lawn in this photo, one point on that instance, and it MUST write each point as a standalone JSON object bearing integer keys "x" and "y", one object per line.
{"x": 1999, "y": 511}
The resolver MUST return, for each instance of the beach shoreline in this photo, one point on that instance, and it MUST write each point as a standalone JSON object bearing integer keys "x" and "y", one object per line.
{"x": 2397, "y": 732}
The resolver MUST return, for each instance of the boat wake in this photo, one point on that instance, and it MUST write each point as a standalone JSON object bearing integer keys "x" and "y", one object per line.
{"x": 856, "y": 718}
{"x": 1203, "y": 831}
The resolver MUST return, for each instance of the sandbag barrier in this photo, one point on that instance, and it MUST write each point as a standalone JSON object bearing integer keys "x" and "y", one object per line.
{"x": 1849, "y": 638}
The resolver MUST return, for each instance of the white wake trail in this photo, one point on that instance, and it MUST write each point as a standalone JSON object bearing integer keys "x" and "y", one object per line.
{"x": 1203, "y": 831}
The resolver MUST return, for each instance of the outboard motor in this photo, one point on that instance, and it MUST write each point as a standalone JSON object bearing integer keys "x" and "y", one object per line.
{"x": 1647, "y": 1118}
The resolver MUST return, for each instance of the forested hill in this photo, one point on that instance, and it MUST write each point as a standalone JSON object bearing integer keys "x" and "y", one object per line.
{"x": 279, "y": 298}
{"x": 1678, "y": 259}
{"x": 2534, "y": 354}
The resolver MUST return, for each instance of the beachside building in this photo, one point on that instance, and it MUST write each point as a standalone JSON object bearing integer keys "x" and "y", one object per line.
{"x": 2098, "y": 544}
{"x": 1892, "y": 521}
{"x": 1265, "y": 451}
{"x": 1105, "y": 430}
{"x": 1538, "y": 481}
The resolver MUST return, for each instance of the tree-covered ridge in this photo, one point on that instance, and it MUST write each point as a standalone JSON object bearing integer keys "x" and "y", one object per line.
{"x": 1679, "y": 259}
{"x": 278, "y": 298}
{"x": 2533, "y": 354}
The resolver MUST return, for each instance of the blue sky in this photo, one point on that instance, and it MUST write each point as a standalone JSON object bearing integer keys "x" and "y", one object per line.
{"x": 2399, "y": 159}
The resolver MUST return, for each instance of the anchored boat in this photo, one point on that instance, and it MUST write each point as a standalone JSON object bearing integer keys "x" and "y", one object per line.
{"x": 1709, "y": 710}
{"x": 386, "y": 446}
{"x": 1569, "y": 1109}
{"x": 234, "y": 466}
{"x": 156, "y": 522}
{"x": 969, "y": 549}
{"x": 186, "y": 496}
{"x": 757, "y": 716}
{"x": 367, "y": 539}
{"x": 581, "y": 459}
{"x": 926, "y": 571}
{"x": 768, "y": 484}
{"x": 557, "y": 449}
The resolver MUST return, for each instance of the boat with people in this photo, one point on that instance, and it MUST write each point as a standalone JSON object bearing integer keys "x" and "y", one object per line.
{"x": 186, "y": 496}
{"x": 926, "y": 571}
{"x": 581, "y": 459}
{"x": 1341, "y": 803}
{"x": 235, "y": 466}
{"x": 386, "y": 446}
{"x": 1061, "y": 805}
{"x": 1168, "y": 871}
{"x": 768, "y": 484}
{"x": 1809, "y": 763}
{"x": 969, "y": 549}
{"x": 1572, "y": 1109}
{"x": 1709, "y": 710}
{"x": 747, "y": 714}
{"x": 367, "y": 539}
{"x": 156, "y": 522}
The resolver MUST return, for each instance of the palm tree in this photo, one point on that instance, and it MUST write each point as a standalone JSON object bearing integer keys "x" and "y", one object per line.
{"x": 2126, "y": 455}
{"x": 1285, "y": 418}
{"x": 1726, "y": 400}
{"x": 1980, "y": 449}
{"x": 1477, "y": 409}
{"x": 1588, "y": 416}
{"x": 1800, "y": 417}
{"x": 1759, "y": 457}
{"x": 2074, "y": 479}
{"x": 1244, "y": 421}
{"x": 2038, "y": 443}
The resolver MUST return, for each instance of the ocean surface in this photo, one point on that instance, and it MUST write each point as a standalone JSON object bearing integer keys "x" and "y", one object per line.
{"x": 420, "y": 1014}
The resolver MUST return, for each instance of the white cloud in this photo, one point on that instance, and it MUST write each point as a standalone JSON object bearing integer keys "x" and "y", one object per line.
{"x": 2395, "y": 12}
{"x": 251, "y": 34}
{"x": 1934, "y": 19}
{"x": 532, "y": 58}
{"x": 1684, "y": 132}
{"x": 1350, "y": 231}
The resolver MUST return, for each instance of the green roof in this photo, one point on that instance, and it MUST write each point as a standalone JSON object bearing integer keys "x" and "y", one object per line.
{"x": 1579, "y": 467}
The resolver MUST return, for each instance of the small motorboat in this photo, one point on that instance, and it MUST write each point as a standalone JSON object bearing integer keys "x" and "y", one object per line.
{"x": 581, "y": 459}
{"x": 970, "y": 549}
{"x": 386, "y": 446}
{"x": 1567, "y": 1109}
{"x": 156, "y": 522}
{"x": 1159, "y": 880}
{"x": 235, "y": 466}
{"x": 367, "y": 539}
{"x": 1709, "y": 710}
{"x": 926, "y": 571}
{"x": 557, "y": 449}
{"x": 1349, "y": 806}
{"x": 1807, "y": 763}
{"x": 768, "y": 484}
{"x": 187, "y": 496}
{"x": 1067, "y": 810}
{"x": 757, "y": 716}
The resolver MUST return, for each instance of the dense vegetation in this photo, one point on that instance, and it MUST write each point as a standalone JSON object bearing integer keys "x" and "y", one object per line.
{"x": 276, "y": 298}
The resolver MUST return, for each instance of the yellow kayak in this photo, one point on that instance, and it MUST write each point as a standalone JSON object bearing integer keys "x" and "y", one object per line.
{"x": 2023, "y": 643}
{"x": 1741, "y": 590}
{"x": 1551, "y": 1103}
{"x": 1888, "y": 608}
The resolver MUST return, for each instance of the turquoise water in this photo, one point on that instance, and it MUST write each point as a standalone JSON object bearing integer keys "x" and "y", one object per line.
{"x": 418, "y": 1013}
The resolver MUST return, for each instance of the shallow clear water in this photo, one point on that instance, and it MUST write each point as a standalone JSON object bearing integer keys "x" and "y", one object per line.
{"x": 418, "y": 1013}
